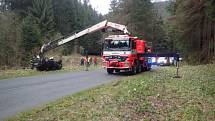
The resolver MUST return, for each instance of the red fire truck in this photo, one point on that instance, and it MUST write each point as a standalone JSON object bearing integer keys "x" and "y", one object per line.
{"x": 122, "y": 53}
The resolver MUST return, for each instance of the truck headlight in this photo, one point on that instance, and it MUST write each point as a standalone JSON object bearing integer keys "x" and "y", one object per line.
{"x": 127, "y": 64}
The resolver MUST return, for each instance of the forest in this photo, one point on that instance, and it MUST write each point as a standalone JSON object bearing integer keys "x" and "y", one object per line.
{"x": 25, "y": 25}
{"x": 187, "y": 27}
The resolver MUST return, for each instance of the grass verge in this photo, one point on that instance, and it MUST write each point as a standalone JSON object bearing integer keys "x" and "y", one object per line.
{"x": 14, "y": 73}
{"x": 154, "y": 95}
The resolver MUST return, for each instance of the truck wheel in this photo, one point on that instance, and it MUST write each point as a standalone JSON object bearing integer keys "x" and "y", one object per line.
{"x": 134, "y": 70}
{"x": 142, "y": 68}
{"x": 110, "y": 71}
{"x": 139, "y": 69}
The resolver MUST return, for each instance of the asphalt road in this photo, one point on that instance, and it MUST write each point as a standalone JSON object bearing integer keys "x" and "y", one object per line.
{"x": 22, "y": 94}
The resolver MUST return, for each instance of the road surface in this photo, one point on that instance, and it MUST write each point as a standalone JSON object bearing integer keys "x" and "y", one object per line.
{"x": 22, "y": 94}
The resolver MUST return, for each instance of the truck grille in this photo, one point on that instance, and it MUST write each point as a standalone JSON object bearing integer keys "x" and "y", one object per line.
{"x": 117, "y": 58}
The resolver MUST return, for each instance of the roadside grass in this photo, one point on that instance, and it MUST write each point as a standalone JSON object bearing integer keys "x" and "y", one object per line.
{"x": 154, "y": 95}
{"x": 70, "y": 64}
{"x": 14, "y": 73}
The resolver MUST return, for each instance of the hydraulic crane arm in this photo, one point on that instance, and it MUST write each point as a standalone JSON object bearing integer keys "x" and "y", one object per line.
{"x": 100, "y": 26}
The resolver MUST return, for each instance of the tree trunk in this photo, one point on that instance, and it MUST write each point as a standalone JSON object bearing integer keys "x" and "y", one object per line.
{"x": 211, "y": 38}
{"x": 213, "y": 43}
{"x": 208, "y": 30}
{"x": 202, "y": 39}
{"x": 205, "y": 42}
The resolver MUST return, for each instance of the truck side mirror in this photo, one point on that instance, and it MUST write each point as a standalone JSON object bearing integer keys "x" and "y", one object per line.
{"x": 146, "y": 49}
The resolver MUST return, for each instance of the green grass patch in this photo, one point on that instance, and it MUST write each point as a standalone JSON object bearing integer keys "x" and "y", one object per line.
{"x": 154, "y": 95}
{"x": 14, "y": 73}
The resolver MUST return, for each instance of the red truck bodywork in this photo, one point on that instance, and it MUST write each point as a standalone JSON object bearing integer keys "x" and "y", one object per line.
{"x": 126, "y": 60}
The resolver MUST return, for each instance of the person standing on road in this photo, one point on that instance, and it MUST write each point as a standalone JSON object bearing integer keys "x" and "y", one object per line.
{"x": 95, "y": 61}
{"x": 82, "y": 61}
{"x": 87, "y": 63}
{"x": 90, "y": 60}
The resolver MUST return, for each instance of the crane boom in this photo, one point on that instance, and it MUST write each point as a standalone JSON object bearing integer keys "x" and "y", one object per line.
{"x": 100, "y": 26}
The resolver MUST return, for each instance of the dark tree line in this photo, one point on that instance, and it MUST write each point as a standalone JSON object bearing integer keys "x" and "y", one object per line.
{"x": 27, "y": 24}
{"x": 192, "y": 29}
{"x": 142, "y": 20}
{"x": 189, "y": 30}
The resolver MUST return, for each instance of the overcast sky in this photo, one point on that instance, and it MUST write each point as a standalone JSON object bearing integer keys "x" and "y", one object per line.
{"x": 102, "y": 6}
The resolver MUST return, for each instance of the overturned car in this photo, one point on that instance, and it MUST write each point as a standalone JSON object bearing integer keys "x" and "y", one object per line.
{"x": 45, "y": 64}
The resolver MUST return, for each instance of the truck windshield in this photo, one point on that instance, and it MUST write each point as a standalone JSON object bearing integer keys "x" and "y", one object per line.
{"x": 112, "y": 45}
